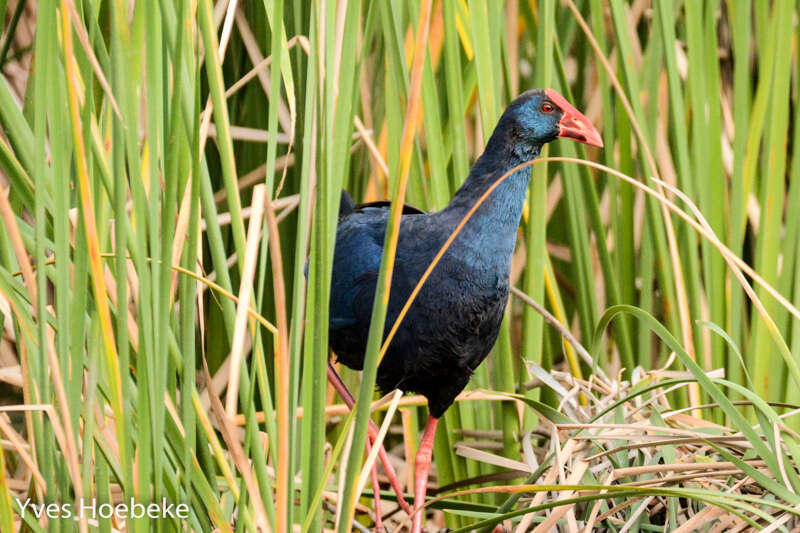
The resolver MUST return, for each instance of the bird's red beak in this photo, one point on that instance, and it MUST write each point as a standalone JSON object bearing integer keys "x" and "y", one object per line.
{"x": 573, "y": 124}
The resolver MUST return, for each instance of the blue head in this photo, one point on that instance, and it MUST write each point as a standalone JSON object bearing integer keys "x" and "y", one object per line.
{"x": 534, "y": 118}
{"x": 539, "y": 116}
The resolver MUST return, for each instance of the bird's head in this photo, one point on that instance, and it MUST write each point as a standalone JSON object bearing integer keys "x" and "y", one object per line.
{"x": 541, "y": 115}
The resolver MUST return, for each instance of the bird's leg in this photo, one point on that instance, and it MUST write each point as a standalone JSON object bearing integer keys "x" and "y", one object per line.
{"x": 422, "y": 466}
{"x": 376, "y": 490}
{"x": 372, "y": 435}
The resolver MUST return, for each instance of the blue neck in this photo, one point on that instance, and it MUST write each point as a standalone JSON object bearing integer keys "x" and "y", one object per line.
{"x": 491, "y": 231}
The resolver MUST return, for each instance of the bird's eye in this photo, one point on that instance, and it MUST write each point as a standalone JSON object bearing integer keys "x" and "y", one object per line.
{"x": 547, "y": 107}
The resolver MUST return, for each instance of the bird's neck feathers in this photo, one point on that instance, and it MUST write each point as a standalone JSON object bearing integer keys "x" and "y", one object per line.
{"x": 508, "y": 146}
{"x": 506, "y": 149}
{"x": 494, "y": 225}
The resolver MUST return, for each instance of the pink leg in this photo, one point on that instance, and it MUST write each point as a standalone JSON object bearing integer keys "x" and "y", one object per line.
{"x": 422, "y": 466}
{"x": 376, "y": 489}
{"x": 372, "y": 434}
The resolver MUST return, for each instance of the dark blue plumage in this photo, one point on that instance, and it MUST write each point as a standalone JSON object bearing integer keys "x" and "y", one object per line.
{"x": 454, "y": 321}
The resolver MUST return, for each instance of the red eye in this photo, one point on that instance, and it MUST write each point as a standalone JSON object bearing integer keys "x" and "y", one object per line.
{"x": 547, "y": 107}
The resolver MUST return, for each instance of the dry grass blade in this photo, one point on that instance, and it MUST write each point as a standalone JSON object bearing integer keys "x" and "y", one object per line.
{"x": 549, "y": 523}
{"x": 566, "y": 333}
{"x": 263, "y": 73}
{"x": 281, "y": 366}
{"x": 12, "y": 229}
{"x": 21, "y": 448}
{"x": 245, "y": 292}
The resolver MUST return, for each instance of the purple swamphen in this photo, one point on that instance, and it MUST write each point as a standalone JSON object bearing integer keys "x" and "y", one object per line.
{"x": 454, "y": 321}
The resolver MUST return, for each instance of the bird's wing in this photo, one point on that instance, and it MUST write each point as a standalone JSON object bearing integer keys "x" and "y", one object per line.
{"x": 356, "y": 261}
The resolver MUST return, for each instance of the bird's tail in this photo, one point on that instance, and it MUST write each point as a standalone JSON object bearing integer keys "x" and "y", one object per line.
{"x": 346, "y": 204}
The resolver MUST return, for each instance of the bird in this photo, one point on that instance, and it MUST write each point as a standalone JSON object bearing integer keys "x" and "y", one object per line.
{"x": 453, "y": 323}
